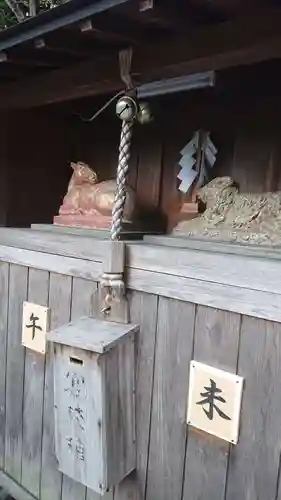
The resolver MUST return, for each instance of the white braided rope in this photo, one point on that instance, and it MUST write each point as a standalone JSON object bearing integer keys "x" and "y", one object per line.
{"x": 114, "y": 283}
{"x": 122, "y": 172}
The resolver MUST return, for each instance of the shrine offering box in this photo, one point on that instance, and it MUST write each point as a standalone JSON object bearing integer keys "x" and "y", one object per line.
{"x": 94, "y": 401}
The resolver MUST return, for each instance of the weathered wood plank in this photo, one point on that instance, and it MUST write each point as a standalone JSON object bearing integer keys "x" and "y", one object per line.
{"x": 210, "y": 293}
{"x": 92, "y": 495}
{"x": 72, "y": 489}
{"x": 15, "y": 372}
{"x": 82, "y": 294}
{"x": 230, "y": 298}
{"x": 118, "y": 425}
{"x": 216, "y": 344}
{"x": 278, "y": 485}
{"x": 68, "y": 245}
{"x": 38, "y": 291}
{"x": 99, "y": 234}
{"x": 54, "y": 263}
{"x": 254, "y": 462}
{"x": 235, "y": 270}
{"x": 143, "y": 311}
{"x": 59, "y": 303}
{"x": 81, "y": 303}
{"x": 16, "y": 491}
{"x": 212, "y": 246}
{"x": 4, "y": 298}
{"x": 91, "y": 334}
{"x": 168, "y": 427}
{"x": 208, "y": 265}
{"x": 129, "y": 489}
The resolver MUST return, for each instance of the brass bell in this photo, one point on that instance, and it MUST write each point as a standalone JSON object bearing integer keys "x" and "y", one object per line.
{"x": 126, "y": 108}
{"x": 144, "y": 114}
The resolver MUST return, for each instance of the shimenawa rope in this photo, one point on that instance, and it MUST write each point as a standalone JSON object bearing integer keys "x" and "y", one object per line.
{"x": 125, "y": 60}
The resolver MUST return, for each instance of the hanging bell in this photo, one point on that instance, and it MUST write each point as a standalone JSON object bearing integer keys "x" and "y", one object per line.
{"x": 126, "y": 108}
{"x": 144, "y": 114}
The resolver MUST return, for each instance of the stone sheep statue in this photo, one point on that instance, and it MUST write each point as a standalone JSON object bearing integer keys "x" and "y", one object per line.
{"x": 233, "y": 216}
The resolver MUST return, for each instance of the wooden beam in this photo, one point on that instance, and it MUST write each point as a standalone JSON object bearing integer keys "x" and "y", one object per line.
{"x": 113, "y": 28}
{"x": 66, "y": 45}
{"x": 41, "y": 55}
{"x": 55, "y": 21}
{"x": 226, "y": 45}
{"x": 165, "y": 16}
{"x": 31, "y": 63}
{"x": 32, "y": 58}
{"x": 229, "y": 7}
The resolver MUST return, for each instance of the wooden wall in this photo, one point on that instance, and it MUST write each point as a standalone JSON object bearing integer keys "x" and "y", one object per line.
{"x": 3, "y": 169}
{"x": 173, "y": 462}
{"x": 242, "y": 113}
{"x": 35, "y": 156}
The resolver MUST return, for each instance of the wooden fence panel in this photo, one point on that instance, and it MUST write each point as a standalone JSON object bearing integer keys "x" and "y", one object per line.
{"x": 38, "y": 292}
{"x": 15, "y": 372}
{"x": 216, "y": 343}
{"x": 4, "y": 297}
{"x": 60, "y": 304}
{"x": 174, "y": 346}
{"x": 72, "y": 490}
{"x": 92, "y": 495}
{"x": 143, "y": 311}
{"x": 173, "y": 462}
{"x": 254, "y": 462}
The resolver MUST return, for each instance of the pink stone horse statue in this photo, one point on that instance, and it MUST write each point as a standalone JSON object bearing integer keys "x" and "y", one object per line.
{"x": 89, "y": 203}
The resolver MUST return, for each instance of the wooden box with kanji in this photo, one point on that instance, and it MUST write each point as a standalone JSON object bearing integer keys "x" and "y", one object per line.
{"x": 94, "y": 401}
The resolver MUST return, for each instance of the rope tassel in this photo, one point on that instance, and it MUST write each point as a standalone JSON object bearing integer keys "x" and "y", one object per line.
{"x": 122, "y": 173}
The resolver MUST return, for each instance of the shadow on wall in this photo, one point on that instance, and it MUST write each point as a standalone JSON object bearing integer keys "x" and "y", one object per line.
{"x": 4, "y": 495}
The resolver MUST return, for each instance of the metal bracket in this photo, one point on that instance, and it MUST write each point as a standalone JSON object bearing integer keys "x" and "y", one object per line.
{"x": 146, "y": 5}
{"x": 110, "y": 302}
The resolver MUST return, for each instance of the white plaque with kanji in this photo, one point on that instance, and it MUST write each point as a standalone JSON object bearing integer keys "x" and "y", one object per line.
{"x": 35, "y": 324}
{"x": 214, "y": 401}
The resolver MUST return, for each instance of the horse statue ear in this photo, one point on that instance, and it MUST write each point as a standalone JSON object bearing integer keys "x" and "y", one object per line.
{"x": 73, "y": 165}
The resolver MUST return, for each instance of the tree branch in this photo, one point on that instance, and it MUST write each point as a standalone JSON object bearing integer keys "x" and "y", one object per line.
{"x": 17, "y": 9}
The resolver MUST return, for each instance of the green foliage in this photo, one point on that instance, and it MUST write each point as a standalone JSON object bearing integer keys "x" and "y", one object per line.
{"x": 8, "y": 18}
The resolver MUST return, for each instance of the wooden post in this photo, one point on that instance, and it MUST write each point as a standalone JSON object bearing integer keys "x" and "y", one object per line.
{"x": 199, "y": 163}
{"x": 33, "y": 7}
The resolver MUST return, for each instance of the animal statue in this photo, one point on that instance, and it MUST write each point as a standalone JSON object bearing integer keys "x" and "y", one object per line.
{"x": 232, "y": 216}
{"x": 88, "y": 202}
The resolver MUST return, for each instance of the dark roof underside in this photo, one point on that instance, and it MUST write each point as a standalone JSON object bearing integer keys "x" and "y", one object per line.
{"x": 81, "y": 30}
